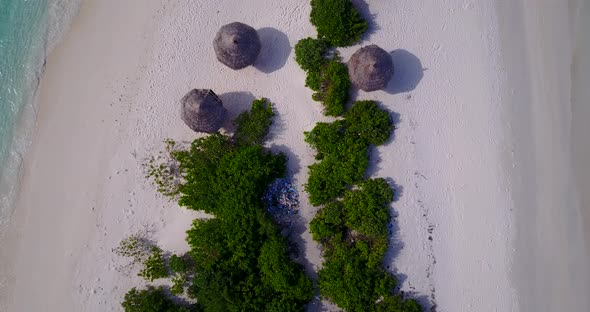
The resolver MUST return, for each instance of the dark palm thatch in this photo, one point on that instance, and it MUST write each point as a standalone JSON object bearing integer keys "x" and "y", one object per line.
{"x": 370, "y": 68}
{"x": 237, "y": 45}
{"x": 202, "y": 110}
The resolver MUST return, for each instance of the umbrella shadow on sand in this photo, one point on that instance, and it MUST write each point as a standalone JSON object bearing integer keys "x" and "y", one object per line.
{"x": 407, "y": 72}
{"x": 275, "y": 50}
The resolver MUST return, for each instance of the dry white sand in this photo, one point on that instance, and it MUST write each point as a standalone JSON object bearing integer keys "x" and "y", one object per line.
{"x": 110, "y": 96}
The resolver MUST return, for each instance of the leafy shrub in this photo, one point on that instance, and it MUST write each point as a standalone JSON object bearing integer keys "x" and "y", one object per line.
{"x": 366, "y": 208}
{"x": 353, "y": 232}
{"x": 366, "y": 120}
{"x": 398, "y": 304}
{"x": 352, "y": 226}
{"x": 327, "y": 76}
{"x": 314, "y": 80}
{"x": 178, "y": 282}
{"x": 152, "y": 300}
{"x": 136, "y": 246}
{"x": 178, "y": 264}
{"x": 310, "y": 54}
{"x": 154, "y": 266}
{"x": 253, "y": 125}
{"x": 328, "y": 222}
{"x": 342, "y": 148}
{"x": 240, "y": 259}
{"x": 337, "y": 21}
{"x": 348, "y": 281}
{"x": 164, "y": 170}
{"x": 334, "y": 86}
{"x": 337, "y": 171}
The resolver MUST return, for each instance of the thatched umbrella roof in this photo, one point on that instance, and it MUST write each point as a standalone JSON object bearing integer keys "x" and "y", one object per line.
{"x": 370, "y": 68}
{"x": 202, "y": 110}
{"x": 237, "y": 45}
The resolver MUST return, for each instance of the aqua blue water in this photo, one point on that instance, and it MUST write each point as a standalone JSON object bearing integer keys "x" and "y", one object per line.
{"x": 23, "y": 37}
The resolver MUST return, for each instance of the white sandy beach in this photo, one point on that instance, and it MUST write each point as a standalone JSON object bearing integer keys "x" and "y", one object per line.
{"x": 460, "y": 154}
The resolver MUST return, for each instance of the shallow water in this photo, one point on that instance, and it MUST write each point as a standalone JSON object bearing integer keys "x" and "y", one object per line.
{"x": 22, "y": 49}
{"x": 28, "y": 31}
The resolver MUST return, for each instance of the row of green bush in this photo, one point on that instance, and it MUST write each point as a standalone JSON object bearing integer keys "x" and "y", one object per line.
{"x": 353, "y": 232}
{"x": 239, "y": 260}
{"x": 342, "y": 148}
{"x": 338, "y": 24}
{"x": 352, "y": 224}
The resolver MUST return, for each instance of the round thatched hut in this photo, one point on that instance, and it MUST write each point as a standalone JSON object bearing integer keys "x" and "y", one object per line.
{"x": 237, "y": 45}
{"x": 202, "y": 110}
{"x": 370, "y": 68}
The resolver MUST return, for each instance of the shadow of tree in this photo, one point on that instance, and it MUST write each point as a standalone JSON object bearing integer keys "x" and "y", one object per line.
{"x": 275, "y": 50}
{"x": 408, "y": 72}
{"x": 363, "y": 9}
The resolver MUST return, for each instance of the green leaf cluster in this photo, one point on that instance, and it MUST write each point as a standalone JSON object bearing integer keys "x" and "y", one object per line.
{"x": 337, "y": 21}
{"x": 333, "y": 85}
{"x": 154, "y": 266}
{"x": 339, "y": 24}
{"x": 310, "y": 53}
{"x": 352, "y": 224}
{"x": 327, "y": 76}
{"x": 353, "y": 232}
{"x": 178, "y": 264}
{"x": 153, "y": 299}
{"x": 162, "y": 170}
{"x": 253, "y": 125}
{"x": 342, "y": 148}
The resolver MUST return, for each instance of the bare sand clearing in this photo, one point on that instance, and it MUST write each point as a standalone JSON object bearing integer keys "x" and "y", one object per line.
{"x": 111, "y": 95}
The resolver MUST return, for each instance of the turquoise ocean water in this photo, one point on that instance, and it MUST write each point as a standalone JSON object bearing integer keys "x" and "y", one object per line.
{"x": 28, "y": 29}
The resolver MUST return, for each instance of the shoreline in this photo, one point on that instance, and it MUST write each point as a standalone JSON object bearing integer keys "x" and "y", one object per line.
{"x": 53, "y": 23}
{"x": 38, "y": 250}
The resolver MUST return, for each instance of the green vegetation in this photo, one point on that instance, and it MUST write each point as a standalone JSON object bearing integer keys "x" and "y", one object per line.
{"x": 352, "y": 224}
{"x": 179, "y": 281}
{"x": 238, "y": 260}
{"x": 152, "y": 300}
{"x": 327, "y": 76}
{"x": 310, "y": 53}
{"x": 334, "y": 85}
{"x": 179, "y": 264}
{"x": 339, "y": 24}
{"x": 163, "y": 170}
{"x": 342, "y": 146}
{"x": 154, "y": 266}
{"x": 253, "y": 125}
{"x": 337, "y": 21}
{"x": 353, "y": 232}
{"x": 241, "y": 260}
{"x": 136, "y": 246}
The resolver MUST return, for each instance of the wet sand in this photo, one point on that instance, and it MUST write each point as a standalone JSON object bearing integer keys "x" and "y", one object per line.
{"x": 550, "y": 135}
